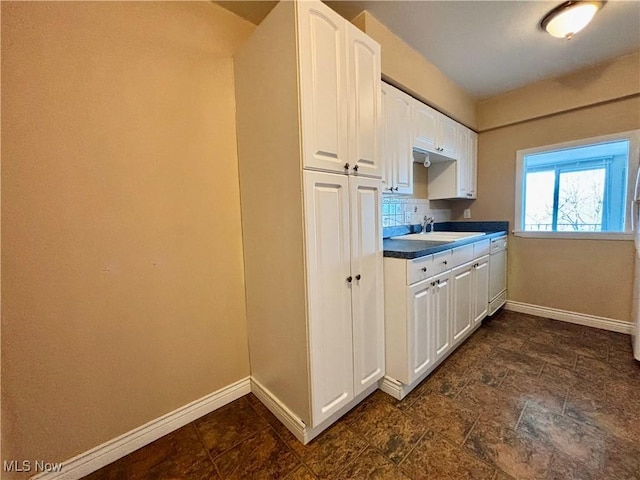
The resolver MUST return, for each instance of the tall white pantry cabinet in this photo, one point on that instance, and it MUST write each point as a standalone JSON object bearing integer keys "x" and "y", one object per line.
{"x": 308, "y": 117}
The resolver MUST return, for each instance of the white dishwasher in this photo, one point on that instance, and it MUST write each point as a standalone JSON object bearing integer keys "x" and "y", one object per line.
{"x": 497, "y": 273}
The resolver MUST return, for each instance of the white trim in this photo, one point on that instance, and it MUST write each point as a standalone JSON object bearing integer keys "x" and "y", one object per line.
{"x": 279, "y": 409}
{"x": 628, "y": 236}
{"x": 295, "y": 425}
{"x": 570, "y": 317}
{"x": 393, "y": 387}
{"x": 96, "y": 458}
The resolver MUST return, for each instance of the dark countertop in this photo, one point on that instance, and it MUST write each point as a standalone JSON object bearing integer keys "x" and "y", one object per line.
{"x": 410, "y": 249}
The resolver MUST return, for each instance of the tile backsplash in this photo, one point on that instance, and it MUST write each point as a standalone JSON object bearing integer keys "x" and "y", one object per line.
{"x": 410, "y": 211}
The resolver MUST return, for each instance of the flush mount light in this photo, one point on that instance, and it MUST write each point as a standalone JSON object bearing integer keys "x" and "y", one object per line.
{"x": 569, "y": 18}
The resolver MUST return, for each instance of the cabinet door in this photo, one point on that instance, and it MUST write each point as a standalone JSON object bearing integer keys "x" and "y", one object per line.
{"x": 323, "y": 87}
{"x": 367, "y": 294}
{"x": 402, "y": 144}
{"x": 385, "y": 138}
{"x": 419, "y": 328}
{"x": 462, "y": 284}
{"x": 462, "y": 165}
{"x": 363, "y": 76}
{"x": 448, "y": 141}
{"x": 480, "y": 288}
{"x": 425, "y": 127}
{"x": 329, "y": 292}
{"x": 472, "y": 164}
{"x": 442, "y": 315}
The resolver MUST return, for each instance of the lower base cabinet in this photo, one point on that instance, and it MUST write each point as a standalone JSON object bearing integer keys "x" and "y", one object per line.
{"x": 426, "y": 318}
{"x": 428, "y": 307}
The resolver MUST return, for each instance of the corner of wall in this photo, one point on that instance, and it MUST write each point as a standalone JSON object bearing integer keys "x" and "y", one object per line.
{"x": 406, "y": 68}
{"x": 608, "y": 81}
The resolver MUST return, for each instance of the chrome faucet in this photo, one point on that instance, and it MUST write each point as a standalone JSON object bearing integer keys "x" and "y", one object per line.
{"x": 427, "y": 221}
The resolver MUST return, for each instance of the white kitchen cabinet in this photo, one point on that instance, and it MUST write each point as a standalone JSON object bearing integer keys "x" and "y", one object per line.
{"x": 344, "y": 284}
{"x": 329, "y": 291}
{"x": 470, "y": 291}
{"x": 421, "y": 312}
{"x": 340, "y": 93}
{"x": 426, "y": 127}
{"x": 462, "y": 291}
{"x": 471, "y": 159}
{"x": 308, "y": 100}
{"x": 365, "y": 103}
{"x": 449, "y": 141}
{"x": 397, "y": 128}
{"x": 323, "y": 87}
{"x": 367, "y": 292}
{"x": 456, "y": 179}
{"x": 432, "y": 304}
{"x": 442, "y": 315}
{"x": 434, "y": 132}
{"x": 420, "y": 331}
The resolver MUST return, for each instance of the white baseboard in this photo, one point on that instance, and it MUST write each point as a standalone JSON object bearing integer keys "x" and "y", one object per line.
{"x": 304, "y": 433}
{"x": 571, "y": 317}
{"x": 108, "y": 452}
{"x": 392, "y": 387}
{"x": 282, "y": 413}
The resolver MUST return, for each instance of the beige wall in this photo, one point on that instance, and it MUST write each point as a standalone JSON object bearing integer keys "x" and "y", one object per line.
{"x": 586, "y": 276}
{"x": 617, "y": 78}
{"x": 410, "y": 71}
{"x": 122, "y": 278}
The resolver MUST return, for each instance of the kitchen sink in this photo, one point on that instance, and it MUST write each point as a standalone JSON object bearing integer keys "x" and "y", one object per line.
{"x": 439, "y": 236}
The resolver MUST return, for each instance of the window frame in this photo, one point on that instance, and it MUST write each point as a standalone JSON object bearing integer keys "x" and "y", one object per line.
{"x": 633, "y": 136}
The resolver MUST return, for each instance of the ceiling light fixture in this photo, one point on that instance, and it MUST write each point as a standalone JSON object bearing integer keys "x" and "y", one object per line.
{"x": 569, "y": 18}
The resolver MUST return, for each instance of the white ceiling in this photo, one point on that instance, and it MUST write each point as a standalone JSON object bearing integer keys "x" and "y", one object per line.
{"x": 490, "y": 47}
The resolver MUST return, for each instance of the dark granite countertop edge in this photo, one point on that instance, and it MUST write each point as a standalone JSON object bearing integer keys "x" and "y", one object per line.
{"x": 411, "y": 249}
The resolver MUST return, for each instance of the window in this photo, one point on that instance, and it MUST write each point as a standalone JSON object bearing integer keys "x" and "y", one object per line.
{"x": 579, "y": 187}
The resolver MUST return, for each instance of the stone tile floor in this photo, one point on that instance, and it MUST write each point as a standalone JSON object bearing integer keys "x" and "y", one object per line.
{"x": 523, "y": 398}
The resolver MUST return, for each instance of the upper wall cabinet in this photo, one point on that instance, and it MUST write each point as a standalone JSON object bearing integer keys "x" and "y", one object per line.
{"x": 434, "y": 132}
{"x": 340, "y": 93}
{"x": 452, "y": 173}
{"x": 397, "y": 141}
{"x": 449, "y": 179}
{"x": 365, "y": 103}
{"x": 471, "y": 160}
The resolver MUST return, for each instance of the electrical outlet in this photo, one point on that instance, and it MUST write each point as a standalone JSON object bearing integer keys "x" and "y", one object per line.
{"x": 407, "y": 217}
{"x": 467, "y": 213}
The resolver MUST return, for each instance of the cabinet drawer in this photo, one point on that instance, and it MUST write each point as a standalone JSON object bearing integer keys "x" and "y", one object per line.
{"x": 461, "y": 255}
{"x": 481, "y": 248}
{"x": 419, "y": 269}
{"x": 442, "y": 261}
{"x": 498, "y": 244}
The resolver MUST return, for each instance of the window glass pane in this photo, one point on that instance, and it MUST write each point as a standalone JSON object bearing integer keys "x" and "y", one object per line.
{"x": 577, "y": 189}
{"x": 539, "y": 200}
{"x": 580, "y": 200}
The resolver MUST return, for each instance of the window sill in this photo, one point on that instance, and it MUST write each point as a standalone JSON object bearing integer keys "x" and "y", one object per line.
{"x": 577, "y": 235}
